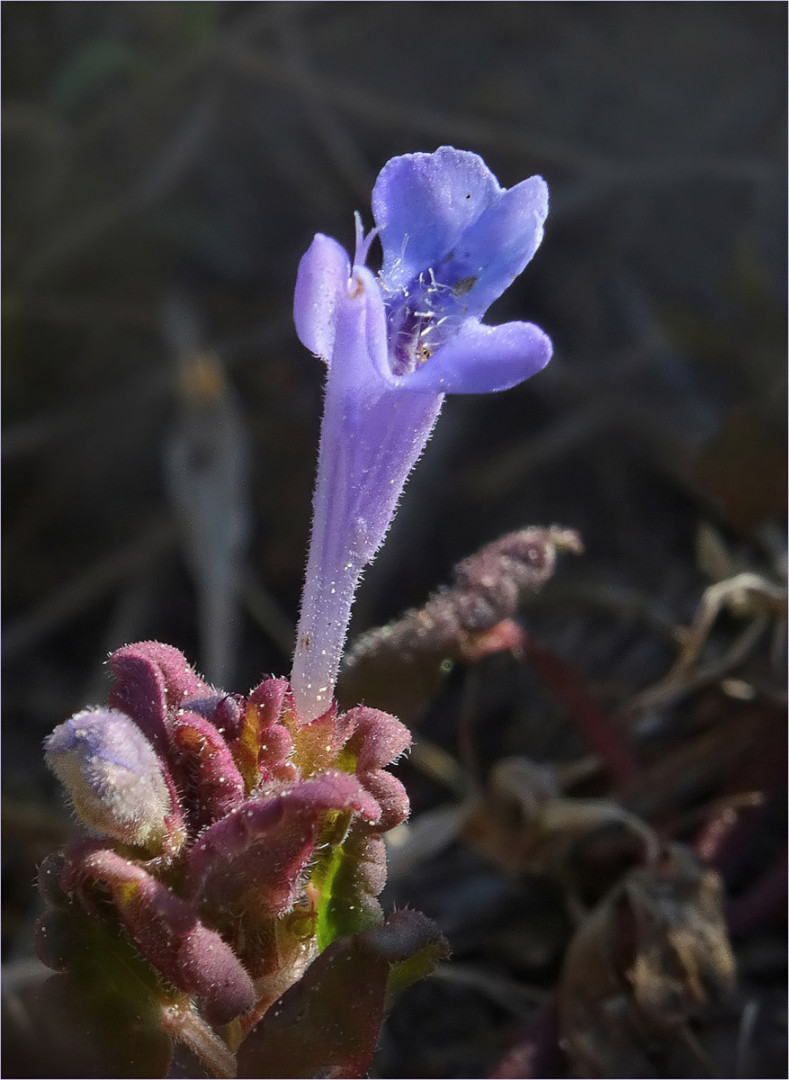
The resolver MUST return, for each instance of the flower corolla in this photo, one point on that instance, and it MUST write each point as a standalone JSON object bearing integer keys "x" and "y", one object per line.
{"x": 453, "y": 240}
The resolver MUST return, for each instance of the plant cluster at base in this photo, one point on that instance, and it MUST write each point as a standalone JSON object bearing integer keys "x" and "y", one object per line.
{"x": 239, "y": 860}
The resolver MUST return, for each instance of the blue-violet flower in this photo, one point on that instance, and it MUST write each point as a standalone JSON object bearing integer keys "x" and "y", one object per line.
{"x": 453, "y": 240}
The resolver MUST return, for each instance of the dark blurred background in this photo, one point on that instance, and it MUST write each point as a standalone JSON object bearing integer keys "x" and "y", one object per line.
{"x": 165, "y": 167}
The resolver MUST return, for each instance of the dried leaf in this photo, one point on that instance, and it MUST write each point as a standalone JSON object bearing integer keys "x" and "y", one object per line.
{"x": 651, "y": 956}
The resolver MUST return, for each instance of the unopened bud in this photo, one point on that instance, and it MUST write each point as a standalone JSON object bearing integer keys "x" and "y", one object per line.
{"x": 113, "y": 776}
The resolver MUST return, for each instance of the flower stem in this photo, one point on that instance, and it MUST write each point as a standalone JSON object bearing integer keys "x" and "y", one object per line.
{"x": 183, "y": 1023}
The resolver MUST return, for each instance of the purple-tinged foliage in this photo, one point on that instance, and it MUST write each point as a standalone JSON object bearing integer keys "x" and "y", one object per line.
{"x": 154, "y": 681}
{"x": 333, "y": 1014}
{"x": 167, "y": 932}
{"x": 253, "y": 860}
{"x": 262, "y": 747}
{"x": 453, "y": 241}
{"x": 151, "y": 679}
{"x": 377, "y": 740}
{"x": 216, "y": 783}
{"x": 231, "y": 855}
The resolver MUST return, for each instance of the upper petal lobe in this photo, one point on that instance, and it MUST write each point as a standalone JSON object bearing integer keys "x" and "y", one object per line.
{"x": 495, "y": 248}
{"x": 422, "y": 204}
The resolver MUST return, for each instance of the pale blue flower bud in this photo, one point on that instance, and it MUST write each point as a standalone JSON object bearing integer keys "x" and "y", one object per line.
{"x": 112, "y": 775}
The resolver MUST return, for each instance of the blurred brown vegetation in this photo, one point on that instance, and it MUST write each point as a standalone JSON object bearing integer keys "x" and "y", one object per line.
{"x": 165, "y": 166}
